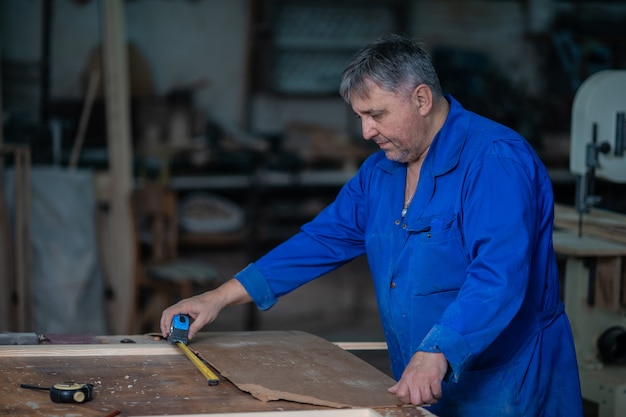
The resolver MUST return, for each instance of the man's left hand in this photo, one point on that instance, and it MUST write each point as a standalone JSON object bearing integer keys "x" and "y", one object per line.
{"x": 421, "y": 380}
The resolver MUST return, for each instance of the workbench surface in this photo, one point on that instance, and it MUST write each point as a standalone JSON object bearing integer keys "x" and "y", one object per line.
{"x": 151, "y": 377}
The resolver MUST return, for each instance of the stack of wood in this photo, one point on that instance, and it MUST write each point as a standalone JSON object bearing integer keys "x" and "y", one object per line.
{"x": 598, "y": 222}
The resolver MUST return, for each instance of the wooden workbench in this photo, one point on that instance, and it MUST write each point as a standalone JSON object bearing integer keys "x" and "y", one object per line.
{"x": 593, "y": 285}
{"x": 152, "y": 377}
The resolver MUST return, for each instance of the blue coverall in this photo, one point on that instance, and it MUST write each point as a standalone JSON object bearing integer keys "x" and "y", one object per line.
{"x": 469, "y": 272}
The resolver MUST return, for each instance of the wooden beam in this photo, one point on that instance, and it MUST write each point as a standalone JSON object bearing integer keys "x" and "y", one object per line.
{"x": 120, "y": 250}
{"x": 570, "y": 244}
{"x": 15, "y": 243}
{"x": 598, "y": 222}
{"x": 88, "y": 350}
{"x": 23, "y": 245}
{"x": 5, "y": 243}
{"x": 132, "y": 349}
{"x": 350, "y": 412}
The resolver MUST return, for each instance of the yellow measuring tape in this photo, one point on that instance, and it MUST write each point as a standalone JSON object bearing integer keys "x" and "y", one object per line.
{"x": 208, "y": 374}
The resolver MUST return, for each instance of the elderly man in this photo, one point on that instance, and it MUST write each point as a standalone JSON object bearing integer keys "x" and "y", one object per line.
{"x": 455, "y": 215}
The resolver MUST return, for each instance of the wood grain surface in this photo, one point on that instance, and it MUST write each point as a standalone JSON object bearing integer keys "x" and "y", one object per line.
{"x": 135, "y": 385}
{"x": 148, "y": 378}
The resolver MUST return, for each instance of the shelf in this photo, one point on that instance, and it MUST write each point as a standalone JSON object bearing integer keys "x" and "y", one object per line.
{"x": 326, "y": 178}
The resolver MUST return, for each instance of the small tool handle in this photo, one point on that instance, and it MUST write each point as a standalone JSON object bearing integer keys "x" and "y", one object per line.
{"x": 66, "y": 392}
{"x": 28, "y": 386}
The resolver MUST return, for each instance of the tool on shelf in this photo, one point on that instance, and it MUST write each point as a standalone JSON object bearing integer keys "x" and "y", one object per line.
{"x": 66, "y": 392}
{"x": 179, "y": 331}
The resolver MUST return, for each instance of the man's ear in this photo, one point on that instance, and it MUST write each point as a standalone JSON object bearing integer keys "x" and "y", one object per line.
{"x": 422, "y": 98}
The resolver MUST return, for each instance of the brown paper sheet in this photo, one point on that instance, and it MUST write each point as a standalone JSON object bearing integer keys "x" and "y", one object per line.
{"x": 295, "y": 366}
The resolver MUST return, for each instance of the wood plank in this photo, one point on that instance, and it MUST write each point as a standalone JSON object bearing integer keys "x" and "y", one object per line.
{"x": 295, "y": 366}
{"x": 23, "y": 242}
{"x": 90, "y": 96}
{"x": 361, "y": 345}
{"x": 142, "y": 347}
{"x": 597, "y": 223}
{"x": 406, "y": 411}
{"x": 5, "y": 240}
{"x": 7, "y": 310}
{"x": 569, "y": 243}
{"x": 595, "y": 215}
{"x": 357, "y": 412}
{"x": 15, "y": 242}
{"x": 52, "y": 351}
{"x": 120, "y": 249}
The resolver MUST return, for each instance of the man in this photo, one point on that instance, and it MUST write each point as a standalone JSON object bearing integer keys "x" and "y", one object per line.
{"x": 455, "y": 215}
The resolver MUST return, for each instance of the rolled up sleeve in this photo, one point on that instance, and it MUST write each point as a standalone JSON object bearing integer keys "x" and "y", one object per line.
{"x": 257, "y": 286}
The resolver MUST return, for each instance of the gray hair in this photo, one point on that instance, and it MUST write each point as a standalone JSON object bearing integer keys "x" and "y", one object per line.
{"x": 393, "y": 63}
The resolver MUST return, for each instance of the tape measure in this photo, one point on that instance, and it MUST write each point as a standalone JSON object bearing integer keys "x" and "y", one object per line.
{"x": 211, "y": 378}
{"x": 66, "y": 392}
{"x": 179, "y": 329}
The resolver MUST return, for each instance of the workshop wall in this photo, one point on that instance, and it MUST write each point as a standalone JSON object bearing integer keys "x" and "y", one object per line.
{"x": 183, "y": 43}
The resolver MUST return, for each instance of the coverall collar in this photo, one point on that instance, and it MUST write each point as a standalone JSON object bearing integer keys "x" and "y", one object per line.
{"x": 443, "y": 156}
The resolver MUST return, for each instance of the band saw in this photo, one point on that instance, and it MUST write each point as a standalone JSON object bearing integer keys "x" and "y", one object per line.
{"x": 595, "y": 270}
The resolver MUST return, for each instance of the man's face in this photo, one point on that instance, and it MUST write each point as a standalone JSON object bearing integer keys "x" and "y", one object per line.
{"x": 393, "y": 121}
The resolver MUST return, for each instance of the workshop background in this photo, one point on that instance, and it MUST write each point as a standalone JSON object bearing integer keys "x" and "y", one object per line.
{"x": 233, "y": 105}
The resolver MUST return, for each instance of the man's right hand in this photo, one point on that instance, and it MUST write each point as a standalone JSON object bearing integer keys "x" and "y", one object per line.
{"x": 204, "y": 308}
{"x": 420, "y": 383}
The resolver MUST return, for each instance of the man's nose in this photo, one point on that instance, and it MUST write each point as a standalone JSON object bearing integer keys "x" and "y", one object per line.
{"x": 368, "y": 128}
